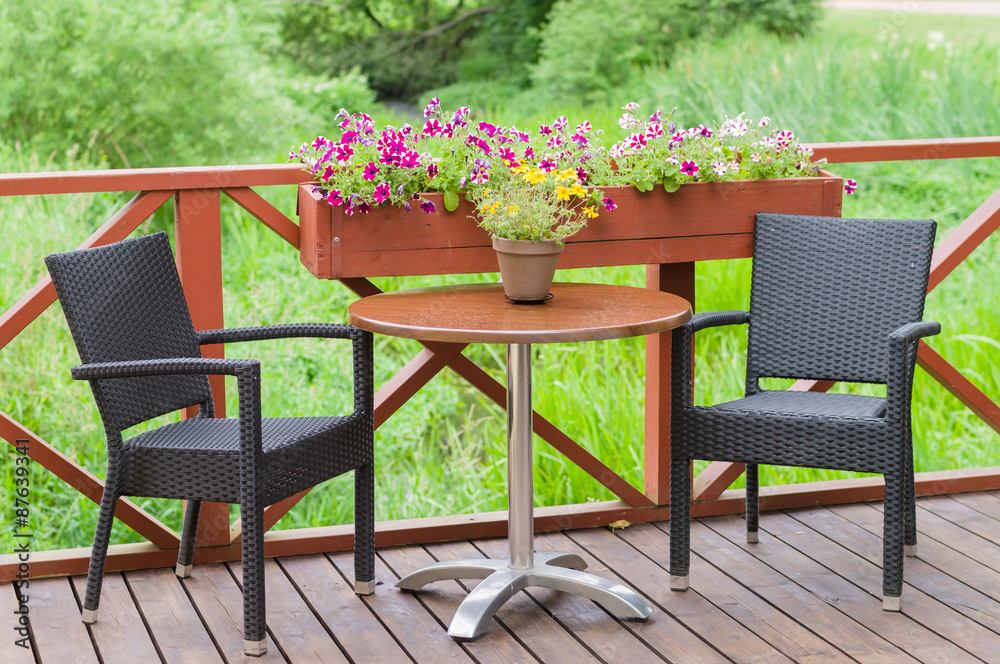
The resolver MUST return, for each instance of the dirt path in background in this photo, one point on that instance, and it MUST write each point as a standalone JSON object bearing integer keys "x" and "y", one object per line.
{"x": 970, "y": 8}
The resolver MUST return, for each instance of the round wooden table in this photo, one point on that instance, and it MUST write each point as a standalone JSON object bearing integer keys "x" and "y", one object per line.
{"x": 481, "y": 313}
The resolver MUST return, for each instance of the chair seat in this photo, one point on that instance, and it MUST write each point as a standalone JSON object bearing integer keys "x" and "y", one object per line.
{"x": 200, "y": 458}
{"x": 223, "y": 435}
{"x": 792, "y": 402}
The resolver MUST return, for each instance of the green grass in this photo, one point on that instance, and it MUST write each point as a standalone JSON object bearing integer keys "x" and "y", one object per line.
{"x": 443, "y": 452}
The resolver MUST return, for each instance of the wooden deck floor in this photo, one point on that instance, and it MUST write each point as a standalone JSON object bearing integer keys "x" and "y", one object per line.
{"x": 809, "y": 592}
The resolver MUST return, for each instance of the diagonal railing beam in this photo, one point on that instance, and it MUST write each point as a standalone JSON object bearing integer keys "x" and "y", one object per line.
{"x": 269, "y": 215}
{"x": 959, "y": 386}
{"x": 86, "y": 483}
{"x": 42, "y": 295}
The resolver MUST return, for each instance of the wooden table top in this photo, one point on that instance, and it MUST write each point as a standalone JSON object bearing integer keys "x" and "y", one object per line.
{"x": 480, "y": 313}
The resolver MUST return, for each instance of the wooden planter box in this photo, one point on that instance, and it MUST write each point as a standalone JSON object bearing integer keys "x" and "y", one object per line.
{"x": 700, "y": 221}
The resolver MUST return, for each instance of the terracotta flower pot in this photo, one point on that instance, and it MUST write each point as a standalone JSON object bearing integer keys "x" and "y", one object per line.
{"x": 527, "y": 267}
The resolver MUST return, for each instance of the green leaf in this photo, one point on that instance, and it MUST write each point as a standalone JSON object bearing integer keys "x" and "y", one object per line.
{"x": 644, "y": 185}
{"x": 671, "y": 186}
{"x": 451, "y": 201}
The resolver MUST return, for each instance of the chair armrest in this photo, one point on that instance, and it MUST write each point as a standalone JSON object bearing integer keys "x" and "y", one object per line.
{"x": 362, "y": 348}
{"x": 717, "y": 319}
{"x": 681, "y": 394}
{"x": 285, "y": 331}
{"x": 913, "y": 331}
{"x": 902, "y": 362}
{"x": 165, "y": 366}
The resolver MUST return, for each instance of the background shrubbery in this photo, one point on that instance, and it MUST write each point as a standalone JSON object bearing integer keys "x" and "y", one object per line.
{"x": 90, "y": 84}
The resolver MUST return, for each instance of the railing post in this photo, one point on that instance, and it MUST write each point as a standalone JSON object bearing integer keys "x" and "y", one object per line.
{"x": 676, "y": 278}
{"x": 198, "y": 225}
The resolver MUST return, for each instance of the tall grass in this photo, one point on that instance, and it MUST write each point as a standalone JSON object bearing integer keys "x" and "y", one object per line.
{"x": 444, "y": 451}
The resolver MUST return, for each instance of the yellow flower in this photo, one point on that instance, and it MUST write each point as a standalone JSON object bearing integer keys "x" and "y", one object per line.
{"x": 562, "y": 193}
{"x": 534, "y": 176}
{"x": 513, "y": 210}
{"x": 590, "y": 212}
{"x": 519, "y": 169}
{"x": 568, "y": 174}
{"x": 577, "y": 190}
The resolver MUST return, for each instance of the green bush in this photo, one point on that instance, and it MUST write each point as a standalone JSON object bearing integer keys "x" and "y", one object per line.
{"x": 590, "y": 48}
{"x": 179, "y": 82}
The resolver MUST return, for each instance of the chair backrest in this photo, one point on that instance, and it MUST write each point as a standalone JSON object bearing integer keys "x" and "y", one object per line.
{"x": 826, "y": 292}
{"x": 124, "y": 301}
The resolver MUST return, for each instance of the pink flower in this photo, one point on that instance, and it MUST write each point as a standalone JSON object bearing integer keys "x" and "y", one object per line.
{"x": 561, "y": 123}
{"x": 609, "y": 204}
{"x": 850, "y": 186}
{"x": 333, "y": 198}
{"x": 410, "y": 159}
{"x": 545, "y": 129}
{"x": 582, "y": 174}
{"x": 548, "y": 165}
{"x": 487, "y": 128}
{"x": 636, "y": 141}
{"x": 364, "y": 207}
{"x": 382, "y": 192}
{"x": 554, "y": 142}
{"x": 583, "y": 127}
{"x": 655, "y": 130}
{"x": 433, "y": 128}
{"x": 319, "y": 143}
{"x": 432, "y": 106}
{"x": 689, "y": 168}
{"x": 344, "y": 152}
{"x": 371, "y": 170}
{"x": 432, "y": 170}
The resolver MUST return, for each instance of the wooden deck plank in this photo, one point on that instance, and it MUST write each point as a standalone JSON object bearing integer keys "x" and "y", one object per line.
{"x": 441, "y": 600}
{"x": 759, "y": 598}
{"x": 855, "y": 584}
{"x": 220, "y": 602}
{"x": 608, "y": 638}
{"x": 355, "y": 628}
{"x": 423, "y": 637}
{"x": 10, "y": 652}
{"x": 177, "y": 630}
{"x": 119, "y": 632}
{"x": 939, "y": 570}
{"x": 934, "y": 613}
{"x": 60, "y": 636}
{"x": 690, "y": 608}
{"x": 527, "y": 621}
{"x": 987, "y": 502}
{"x": 963, "y": 515}
{"x": 955, "y": 536}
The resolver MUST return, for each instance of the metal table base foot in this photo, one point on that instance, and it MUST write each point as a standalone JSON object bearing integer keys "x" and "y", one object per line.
{"x": 559, "y": 571}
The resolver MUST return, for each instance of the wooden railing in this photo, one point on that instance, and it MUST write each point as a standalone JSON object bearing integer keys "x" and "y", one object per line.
{"x": 197, "y": 196}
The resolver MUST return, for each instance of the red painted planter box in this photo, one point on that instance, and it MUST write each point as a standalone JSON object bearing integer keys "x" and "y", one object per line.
{"x": 700, "y": 221}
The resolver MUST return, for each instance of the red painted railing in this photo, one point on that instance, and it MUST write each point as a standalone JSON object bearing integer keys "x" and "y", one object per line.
{"x": 197, "y": 196}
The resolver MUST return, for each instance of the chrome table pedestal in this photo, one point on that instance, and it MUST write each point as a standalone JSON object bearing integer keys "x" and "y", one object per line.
{"x": 524, "y": 568}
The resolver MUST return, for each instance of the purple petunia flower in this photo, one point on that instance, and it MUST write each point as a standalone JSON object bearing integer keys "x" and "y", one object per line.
{"x": 609, "y": 204}
{"x": 432, "y": 170}
{"x": 349, "y": 209}
{"x": 410, "y": 159}
{"x": 382, "y": 192}
{"x": 689, "y": 168}
{"x": 548, "y": 165}
{"x": 406, "y": 206}
{"x": 488, "y": 129}
{"x": 508, "y": 155}
{"x": 364, "y": 207}
{"x": 850, "y": 186}
{"x": 432, "y": 106}
{"x": 344, "y": 152}
{"x": 582, "y": 174}
{"x": 544, "y": 129}
{"x": 371, "y": 170}
{"x": 428, "y": 206}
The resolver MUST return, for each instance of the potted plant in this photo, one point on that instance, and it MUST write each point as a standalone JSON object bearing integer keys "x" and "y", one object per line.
{"x": 399, "y": 200}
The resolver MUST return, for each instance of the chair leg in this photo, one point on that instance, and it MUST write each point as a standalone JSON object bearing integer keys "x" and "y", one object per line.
{"x": 99, "y": 552}
{"x": 892, "y": 542}
{"x": 185, "y": 555}
{"x": 364, "y": 529}
{"x": 910, "y": 513}
{"x": 254, "y": 604}
{"x": 680, "y": 523}
{"x": 752, "y": 502}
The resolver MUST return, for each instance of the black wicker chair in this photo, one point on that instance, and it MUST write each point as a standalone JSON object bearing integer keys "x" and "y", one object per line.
{"x": 130, "y": 322}
{"x": 830, "y": 299}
